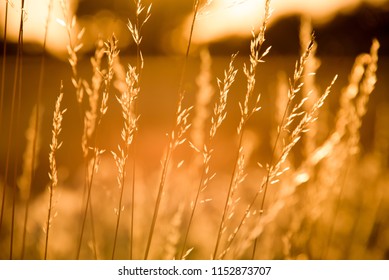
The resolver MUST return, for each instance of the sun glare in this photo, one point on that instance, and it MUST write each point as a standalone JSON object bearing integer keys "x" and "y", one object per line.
{"x": 35, "y": 17}
{"x": 217, "y": 19}
{"x": 226, "y": 18}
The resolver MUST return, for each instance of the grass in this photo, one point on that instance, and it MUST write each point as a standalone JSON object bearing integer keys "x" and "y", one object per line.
{"x": 54, "y": 147}
{"x": 244, "y": 174}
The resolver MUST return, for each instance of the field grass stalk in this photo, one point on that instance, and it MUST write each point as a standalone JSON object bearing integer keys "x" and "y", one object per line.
{"x": 3, "y": 63}
{"x": 219, "y": 115}
{"x": 247, "y": 109}
{"x": 176, "y": 135}
{"x": 53, "y": 175}
{"x": 36, "y": 127}
{"x": 139, "y": 66}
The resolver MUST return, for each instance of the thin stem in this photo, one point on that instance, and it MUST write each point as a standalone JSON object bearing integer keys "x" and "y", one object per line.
{"x": 246, "y": 112}
{"x": 92, "y": 224}
{"x": 12, "y": 127}
{"x": 19, "y": 99}
{"x": 183, "y": 73}
{"x": 36, "y": 128}
{"x": 88, "y": 187}
{"x": 245, "y": 215}
{"x": 132, "y": 214}
{"x": 87, "y": 206}
{"x": 221, "y": 225}
{"x": 111, "y": 51}
{"x": 172, "y": 146}
{"x": 48, "y": 221}
{"x": 53, "y": 174}
{"x": 77, "y": 83}
{"x": 133, "y": 173}
{"x": 338, "y": 203}
{"x": 126, "y": 101}
{"x": 254, "y": 249}
{"x": 139, "y": 66}
{"x": 3, "y": 63}
{"x": 296, "y": 135}
{"x": 218, "y": 116}
{"x": 293, "y": 89}
{"x": 158, "y": 202}
{"x": 195, "y": 203}
{"x": 2, "y": 99}
{"x": 119, "y": 210}
{"x": 266, "y": 184}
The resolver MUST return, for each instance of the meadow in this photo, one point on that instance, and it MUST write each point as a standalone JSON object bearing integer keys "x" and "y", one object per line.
{"x": 199, "y": 156}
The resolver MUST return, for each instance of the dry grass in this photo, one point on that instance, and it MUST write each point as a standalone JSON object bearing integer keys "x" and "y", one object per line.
{"x": 53, "y": 174}
{"x": 314, "y": 194}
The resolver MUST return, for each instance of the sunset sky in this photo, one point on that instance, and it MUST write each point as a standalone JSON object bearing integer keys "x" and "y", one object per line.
{"x": 350, "y": 23}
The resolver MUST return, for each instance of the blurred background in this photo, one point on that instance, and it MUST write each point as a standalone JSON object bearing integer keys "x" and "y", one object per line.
{"x": 343, "y": 27}
{"x": 343, "y": 30}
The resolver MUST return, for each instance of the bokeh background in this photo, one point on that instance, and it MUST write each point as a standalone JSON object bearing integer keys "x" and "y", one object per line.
{"x": 343, "y": 27}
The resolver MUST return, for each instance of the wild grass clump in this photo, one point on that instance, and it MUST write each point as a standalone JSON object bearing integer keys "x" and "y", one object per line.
{"x": 306, "y": 189}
